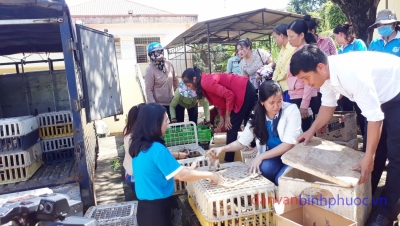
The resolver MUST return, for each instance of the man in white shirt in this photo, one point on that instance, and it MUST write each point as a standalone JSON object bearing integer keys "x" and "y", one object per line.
{"x": 372, "y": 80}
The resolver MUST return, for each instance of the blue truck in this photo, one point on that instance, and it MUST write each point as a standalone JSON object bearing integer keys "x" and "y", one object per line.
{"x": 88, "y": 86}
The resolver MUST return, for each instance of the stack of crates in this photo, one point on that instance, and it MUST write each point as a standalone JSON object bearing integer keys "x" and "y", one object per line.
{"x": 20, "y": 152}
{"x": 55, "y": 130}
{"x": 181, "y": 136}
{"x": 121, "y": 214}
{"x": 244, "y": 198}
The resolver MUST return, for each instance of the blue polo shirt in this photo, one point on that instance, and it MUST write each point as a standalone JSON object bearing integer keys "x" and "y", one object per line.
{"x": 154, "y": 170}
{"x": 234, "y": 65}
{"x": 392, "y": 47}
{"x": 273, "y": 138}
{"x": 356, "y": 45}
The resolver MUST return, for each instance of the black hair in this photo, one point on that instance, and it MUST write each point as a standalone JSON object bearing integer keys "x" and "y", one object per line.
{"x": 132, "y": 116}
{"x": 189, "y": 74}
{"x": 267, "y": 89}
{"x": 311, "y": 24}
{"x": 147, "y": 128}
{"x": 347, "y": 30}
{"x": 281, "y": 29}
{"x": 244, "y": 43}
{"x": 300, "y": 26}
{"x": 306, "y": 59}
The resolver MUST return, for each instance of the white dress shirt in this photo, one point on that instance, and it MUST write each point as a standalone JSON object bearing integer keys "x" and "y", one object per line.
{"x": 289, "y": 128}
{"x": 365, "y": 77}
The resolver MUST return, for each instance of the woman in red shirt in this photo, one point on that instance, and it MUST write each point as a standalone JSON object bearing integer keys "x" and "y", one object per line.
{"x": 234, "y": 96}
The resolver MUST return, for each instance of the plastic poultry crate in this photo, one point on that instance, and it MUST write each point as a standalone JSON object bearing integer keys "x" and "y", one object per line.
{"x": 261, "y": 219}
{"x": 203, "y": 133}
{"x": 57, "y": 144}
{"x": 54, "y": 118}
{"x": 50, "y": 132}
{"x": 180, "y": 186}
{"x": 17, "y": 126}
{"x": 119, "y": 214}
{"x": 14, "y": 175}
{"x": 17, "y": 159}
{"x": 180, "y": 134}
{"x": 19, "y": 142}
{"x": 248, "y": 154}
{"x": 242, "y": 194}
{"x": 58, "y": 156}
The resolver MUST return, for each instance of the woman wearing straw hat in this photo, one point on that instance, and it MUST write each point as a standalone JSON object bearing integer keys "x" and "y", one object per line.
{"x": 389, "y": 30}
{"x": 186, "y": 98}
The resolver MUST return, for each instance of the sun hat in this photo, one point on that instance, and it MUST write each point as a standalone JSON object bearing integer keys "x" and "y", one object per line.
{"x": 385, "y": 16}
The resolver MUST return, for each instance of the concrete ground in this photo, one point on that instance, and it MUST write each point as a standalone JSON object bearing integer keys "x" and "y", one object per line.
{"x": 111, "y": 186}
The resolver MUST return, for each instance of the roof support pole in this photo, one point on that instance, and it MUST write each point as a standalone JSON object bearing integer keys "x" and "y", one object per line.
{"x": 184, "y": 50}
{"x": 270, "y": 44}
{"x": 208, "y": 47}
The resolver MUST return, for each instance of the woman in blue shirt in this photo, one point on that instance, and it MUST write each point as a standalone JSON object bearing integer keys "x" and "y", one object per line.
{"x": 275, "y": 125}
{"x": 345, "y": 36}
{"x": 389, "y": 30}
{"x": 155, "y": 168}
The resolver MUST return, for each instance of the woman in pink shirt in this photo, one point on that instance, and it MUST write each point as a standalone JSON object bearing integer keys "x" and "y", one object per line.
{"x": 302, "y": 95}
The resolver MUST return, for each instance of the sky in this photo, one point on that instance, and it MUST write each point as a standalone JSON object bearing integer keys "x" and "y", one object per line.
{"x": 206, "y": 9}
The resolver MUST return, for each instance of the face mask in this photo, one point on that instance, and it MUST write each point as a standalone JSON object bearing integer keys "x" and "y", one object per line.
{"x": 385, "y": 31}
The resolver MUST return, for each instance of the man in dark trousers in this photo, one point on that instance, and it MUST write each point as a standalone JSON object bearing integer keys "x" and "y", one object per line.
{"x": 372, "y": 80}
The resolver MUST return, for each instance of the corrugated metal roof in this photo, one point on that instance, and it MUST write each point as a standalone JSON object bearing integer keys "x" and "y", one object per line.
{"x": 113, "y": 8}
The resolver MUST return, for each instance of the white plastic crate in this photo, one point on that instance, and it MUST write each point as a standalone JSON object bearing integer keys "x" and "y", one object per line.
{"x": 16, "y": 159}
{"x": 17, "y": 126}
{"x": 248, "y": 154}
{"x": 57, "y": 144}
{"x": 180, "y": 186}
{"x": 119, "y": 214}
{"x": 194, "y": 150}
{"x": 243, "y": 194}
{"x": 14, "y": 175}
{"x": 54, "y": 118}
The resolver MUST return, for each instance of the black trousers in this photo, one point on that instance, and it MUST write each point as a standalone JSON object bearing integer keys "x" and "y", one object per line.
{"x": 348, "y": 105}
{"x": 315, "y": 104}
{"x": 155, "y": 212}
{"x": 250, "y": 99}
{"x": 388, "y": 147}
{"x": 167, "y": 108}
{"x": 192, "y": 112}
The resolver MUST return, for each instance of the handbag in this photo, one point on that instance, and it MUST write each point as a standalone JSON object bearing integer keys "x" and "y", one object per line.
{"x": 266, "y": 72}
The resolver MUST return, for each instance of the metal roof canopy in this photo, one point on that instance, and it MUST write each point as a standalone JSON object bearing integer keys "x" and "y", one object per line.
{"x": 228, "y": 30}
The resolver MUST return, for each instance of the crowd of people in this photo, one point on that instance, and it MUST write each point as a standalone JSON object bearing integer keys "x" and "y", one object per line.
{"x": 277, "y": 101}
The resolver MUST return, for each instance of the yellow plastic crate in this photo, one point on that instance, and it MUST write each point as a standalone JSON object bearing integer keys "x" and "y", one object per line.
{"x": 260, "y": 219}
{"x": 50, "y": 132}
{"x": 15, "y": 175}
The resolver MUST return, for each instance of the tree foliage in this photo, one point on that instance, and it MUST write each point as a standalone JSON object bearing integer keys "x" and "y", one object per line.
{"x": 305, "y": 6}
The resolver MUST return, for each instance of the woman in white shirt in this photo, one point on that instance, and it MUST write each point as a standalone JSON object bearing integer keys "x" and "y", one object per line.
{"x": 275, "y": 125}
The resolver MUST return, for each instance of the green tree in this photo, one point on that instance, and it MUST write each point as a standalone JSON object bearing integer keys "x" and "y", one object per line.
{"x": 305, "y": 6}
{"x": 362, "y": 14}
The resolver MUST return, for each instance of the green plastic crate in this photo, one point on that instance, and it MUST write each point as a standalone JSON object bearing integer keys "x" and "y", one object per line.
{"x": 179, "y": 136}
{"x": 203, "y": 133}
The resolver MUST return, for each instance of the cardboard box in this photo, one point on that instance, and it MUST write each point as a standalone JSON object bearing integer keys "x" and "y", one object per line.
{"x": 307, "y": 215}
{"x": 341, "y": 127}
{"x": 351, "y": 143}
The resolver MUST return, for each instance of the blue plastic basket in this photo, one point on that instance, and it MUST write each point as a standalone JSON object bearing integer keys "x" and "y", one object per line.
{"x": 19, "y": 142}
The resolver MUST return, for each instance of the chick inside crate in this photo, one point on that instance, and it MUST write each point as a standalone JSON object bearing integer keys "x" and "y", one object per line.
{"x": 242, "y": 194}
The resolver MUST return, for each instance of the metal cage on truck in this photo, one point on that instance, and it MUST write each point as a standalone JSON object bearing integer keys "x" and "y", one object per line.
{"x": 88, "y": 87}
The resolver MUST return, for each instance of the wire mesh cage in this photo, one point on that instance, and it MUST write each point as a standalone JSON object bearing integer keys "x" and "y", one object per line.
{"x": 118, "y": 214}
{"x": 242, "y": 194}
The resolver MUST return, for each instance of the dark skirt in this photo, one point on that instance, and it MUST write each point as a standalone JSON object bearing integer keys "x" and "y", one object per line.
{"x": 155, "y": 212}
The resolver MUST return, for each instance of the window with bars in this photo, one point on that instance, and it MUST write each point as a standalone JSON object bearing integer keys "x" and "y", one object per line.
{"x": 141, "y": 48}
{"x": 118, "y": 48}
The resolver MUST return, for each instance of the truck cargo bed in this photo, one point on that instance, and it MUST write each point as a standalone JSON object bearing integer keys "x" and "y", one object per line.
{"x": 46, "y": 176}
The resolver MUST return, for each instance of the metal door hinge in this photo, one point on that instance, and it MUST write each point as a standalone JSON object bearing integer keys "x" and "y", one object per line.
{"x": 71, "y": 45}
